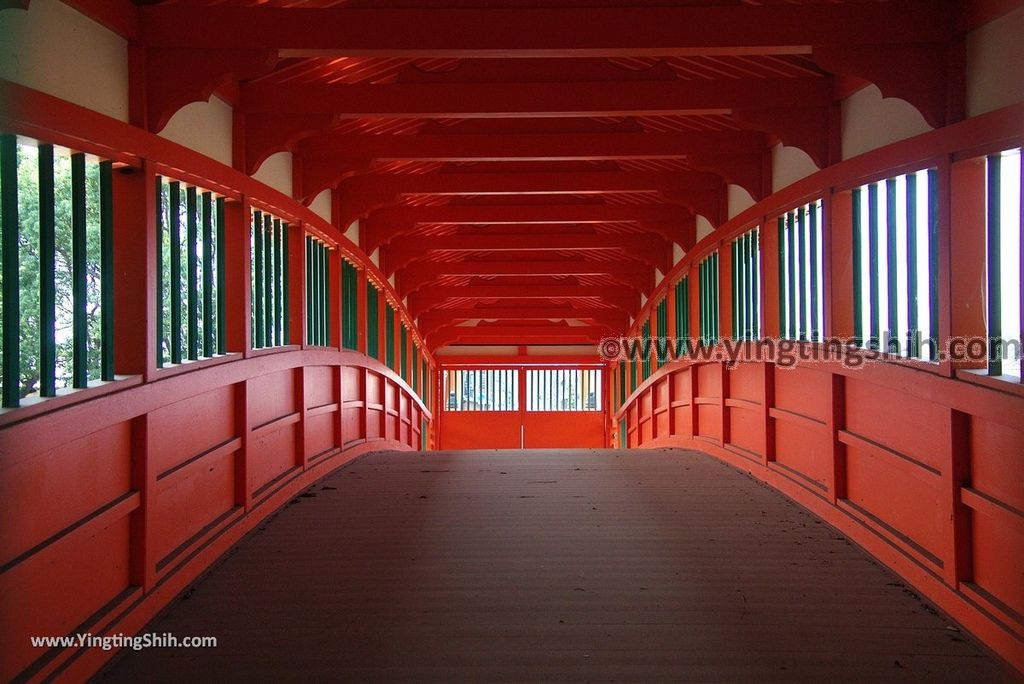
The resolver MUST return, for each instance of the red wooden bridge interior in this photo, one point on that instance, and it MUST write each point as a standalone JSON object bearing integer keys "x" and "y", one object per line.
{"x": 244, "y": 243}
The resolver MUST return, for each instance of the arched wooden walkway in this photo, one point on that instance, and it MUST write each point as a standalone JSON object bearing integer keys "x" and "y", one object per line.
{"x": 603, "y": 565}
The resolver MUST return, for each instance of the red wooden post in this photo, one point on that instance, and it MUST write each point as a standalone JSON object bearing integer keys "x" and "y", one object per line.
{"x": 835, "y": 422}
{"x": 135, "y": 245}
{"x": 334, "y": 296}
{"x": 837, "y": 250}
{"x": 961, "y": 231}
{"x": 299, "y": 402}
{"x": 296, "y": 284}
{"x": 768, "y": 288}
{"x": 143, "y": 478}
{"x": 361, "y": 285}
{"x": 958, "y": 555}
{"x": 237, "y": 276}
{"x": 243, "y": 479}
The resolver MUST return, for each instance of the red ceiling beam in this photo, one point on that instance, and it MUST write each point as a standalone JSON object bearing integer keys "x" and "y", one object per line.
{"x": 422, "y": 302}
{"x": 672, "y": 222}
{"x": 546, "y": 32}
{"x": 648, "y": 248}
{"x": 435, "y": 320}
{"x": 415, "y": 276}
{"x": 506, "y": 100}
{"x": 358, "y": 195}
{"x": 517, "y": 334}
{"x": 469, "y": 147}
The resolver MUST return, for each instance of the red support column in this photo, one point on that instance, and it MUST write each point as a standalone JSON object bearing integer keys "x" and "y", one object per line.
{"x": 299, "y": 402}
{"x": 767, "y": 404}
{"x": 142, "y": 559}
{"x": 135, "y": 245}
{"x": 768, "y": 288}
{"x": 334, "y": 296}
{"x": 957, "y": 557}
{"x": 837, "y": 251}
{"x": 243, "y": 480}
{"x": 835, "y": 422}
{"x": 961, "y": 232}
{"x": 237, "y": 276}
{"x": 296, "y": 284}
{"x": 361, "y": 310}
{"x": 725, "y": 330}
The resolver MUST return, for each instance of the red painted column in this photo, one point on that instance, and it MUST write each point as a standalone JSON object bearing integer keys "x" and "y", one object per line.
{"x": 962, "y": 216}
{"x": 361, "y": 310}
{"x": 142, "y": 547}
{"x": 135, "y": 245}
{"x": 237, "y": 276}
{"x": 958, "y": 554}
{"x": 837, "y": 251}
{"x": 334, "y": 296}
{"x": 768, "y": 289}
{"x": 725, "y": 330}
{"x": 296, "y": 284}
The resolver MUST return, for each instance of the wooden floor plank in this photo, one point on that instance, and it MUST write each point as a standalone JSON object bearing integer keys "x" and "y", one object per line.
{"x": 589, "y": 565}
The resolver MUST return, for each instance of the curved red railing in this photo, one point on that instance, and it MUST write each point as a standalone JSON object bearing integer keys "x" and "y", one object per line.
{"x": 920, "y": 464}
{"x": 113, "y": 498}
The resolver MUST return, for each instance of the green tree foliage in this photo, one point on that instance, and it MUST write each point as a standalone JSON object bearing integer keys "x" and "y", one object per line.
{"x": 29, "y": 268}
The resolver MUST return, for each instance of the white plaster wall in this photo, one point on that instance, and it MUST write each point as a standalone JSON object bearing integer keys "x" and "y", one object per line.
{"x": 677, "y": 251}
{"x": 739, "y": 199}
{"x": 871, "y": 121}
{"x": 353, "y": 233}
{"x": 321, "y": 206}
{"x": 53, "y": 48}
{"x": 276, "y": 172}
{"x": 789, "y": 164}
{"x": 704, "y": 227}
{"x": 204, "y": 127}
{"x": 995, "y": 64}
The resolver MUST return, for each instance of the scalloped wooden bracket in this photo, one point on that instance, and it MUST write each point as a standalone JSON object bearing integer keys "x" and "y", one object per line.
{"x": 744, "y": 170}
{"x": 806, "y": 128}
{"x": 177, "y": 77}
{"x": 268, "y": 134}
{"x": 925, "y": 75}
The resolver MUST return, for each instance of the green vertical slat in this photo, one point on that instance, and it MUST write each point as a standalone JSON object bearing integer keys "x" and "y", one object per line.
{"x": 913, "y": 318}
{"x": 858, "y": 285}
{"x": 314, "y": 300}
{"x": 874, "y": 286}
{"x": 159, "y": 272}
{"x": 106, "y": 271}
{"x": 309, "y": 290}
{"x": 318, "y": 267}
{"x": 79, "y": 292}
{"x": 325, "y": 293}
{"x": 933, "y": 260}
{"x": 993, "y": 237}
{"x": 286, "y": 292}
{"x": 782, "y": 275}
{"x": 174, "y": 210}
{"x": 801, "y": 247}
{"x": 756, "y": 282}
{"x": 11, "y": 289}
{"x": 792, "y": 270}
{"x": 735, "y": 277}
{"x": 221, "y": 342}
{"x": 269, "y": 259}
{"x": 257, "y": 286}
{"x": 208, "y": 274}
{"x": 701, "y": 306}
{"x": 815, "y": 332}
{"x": 47, "y": 275}
{"x": 891, "y": 266}
{"x": 746, "y": 273}
{"x": 192, "y": 258}
{"x": 278, "y": 303}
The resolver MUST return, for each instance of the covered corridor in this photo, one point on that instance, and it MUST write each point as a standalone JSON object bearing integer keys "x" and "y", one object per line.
{"x": 566, "y": 565}
{"x": 296, "y": 269}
